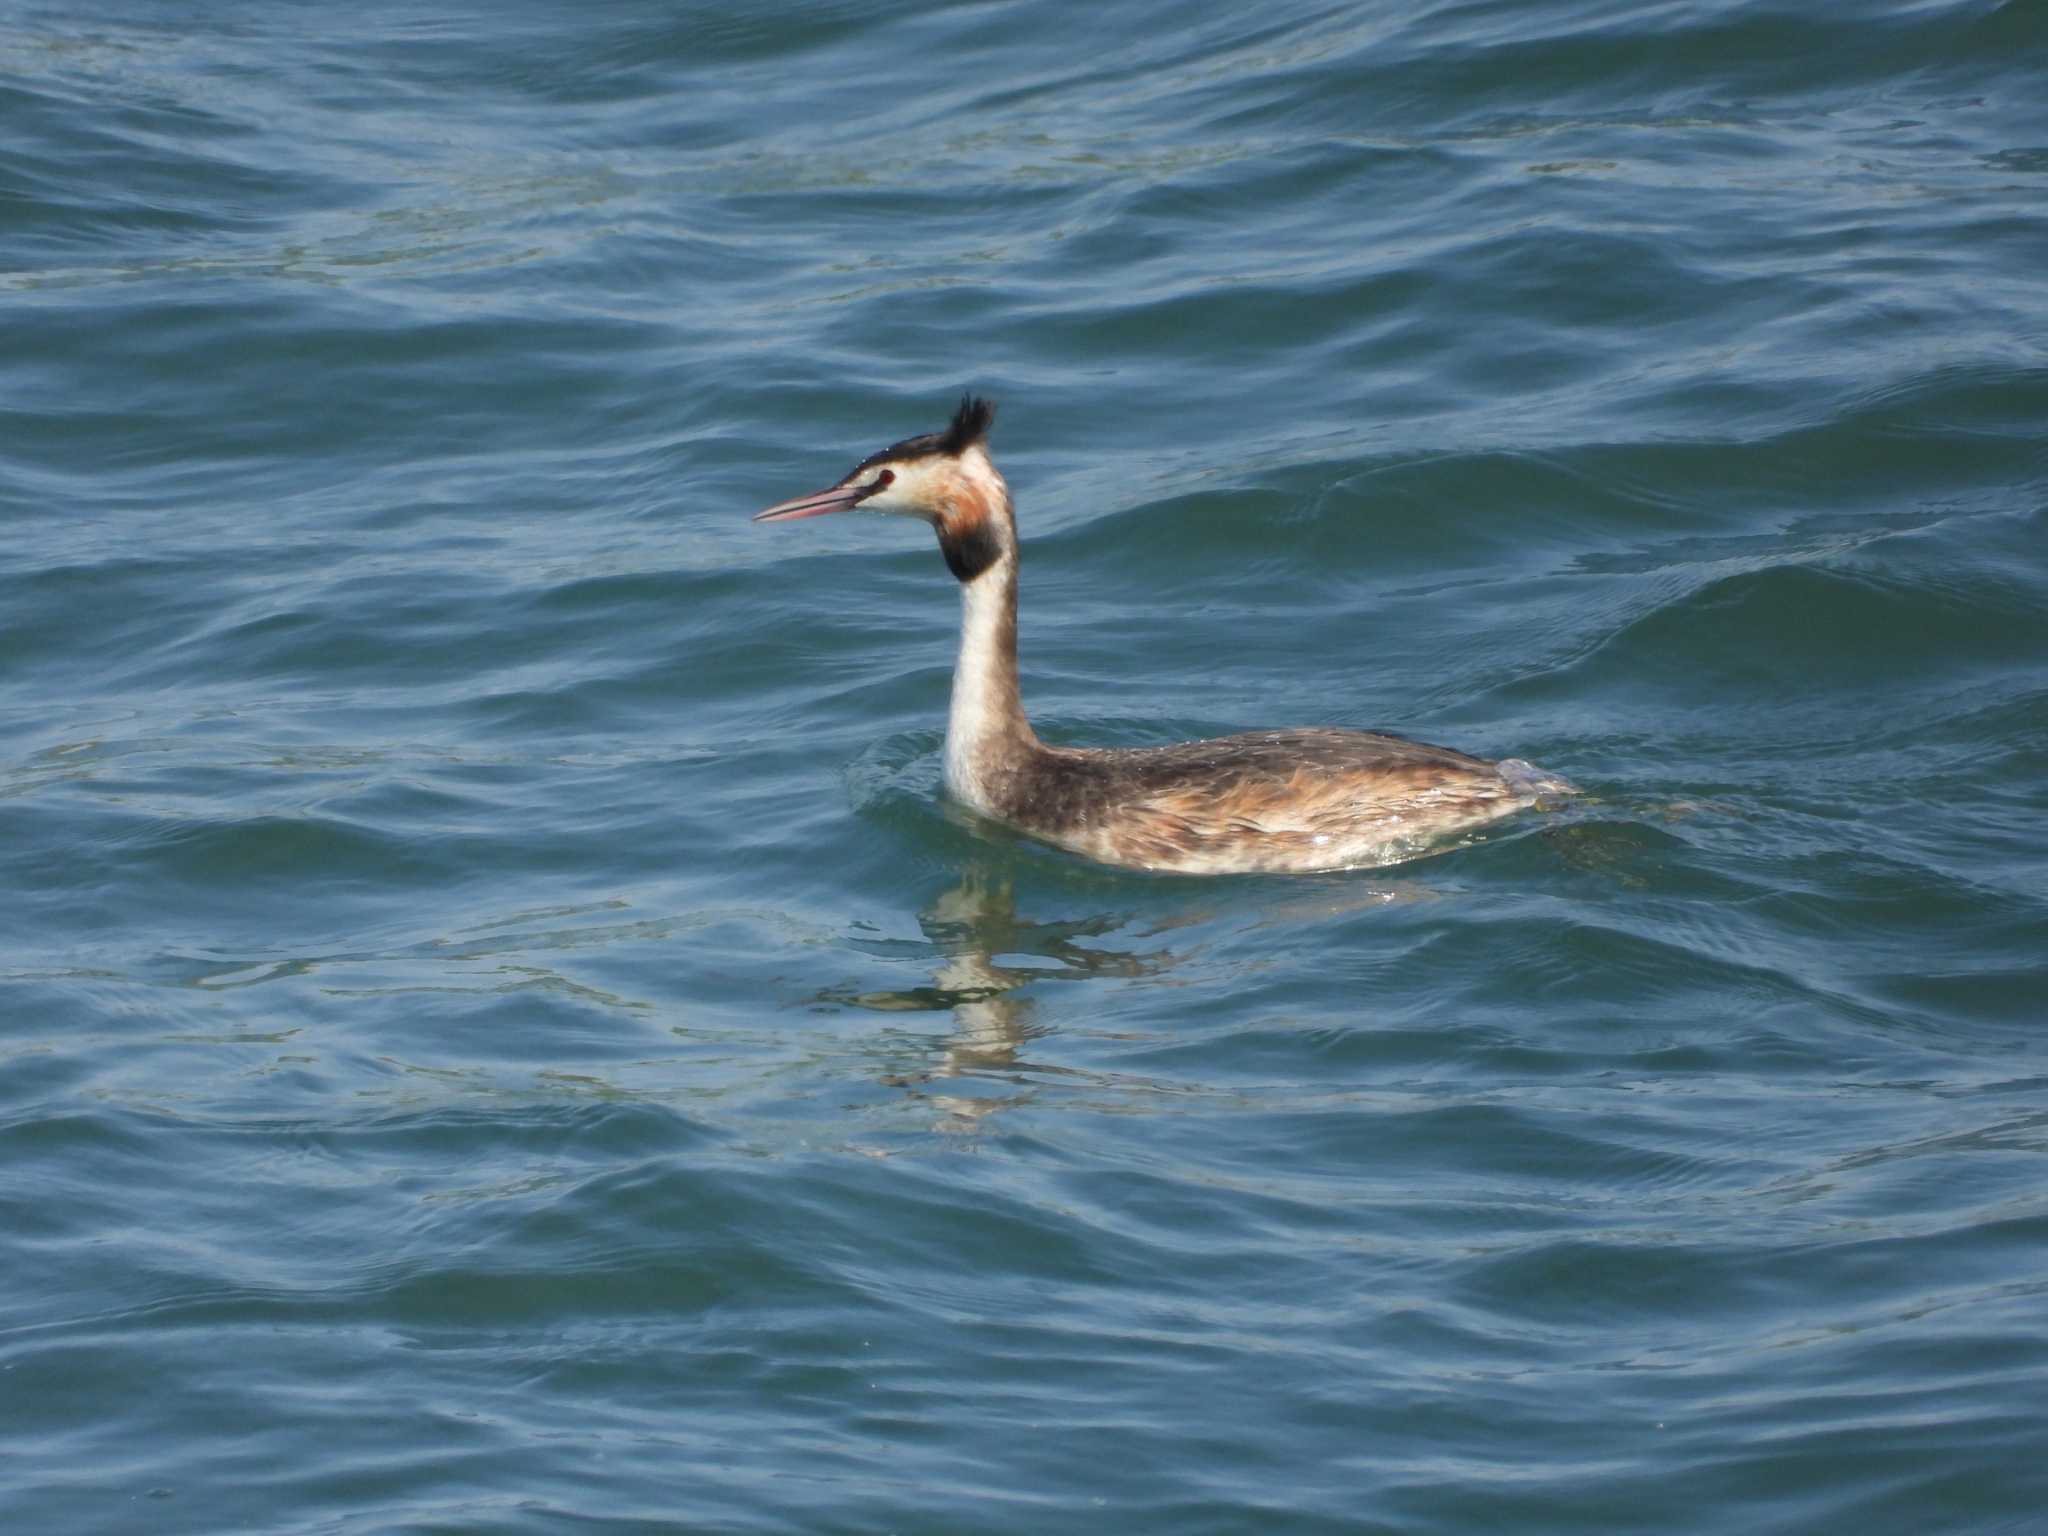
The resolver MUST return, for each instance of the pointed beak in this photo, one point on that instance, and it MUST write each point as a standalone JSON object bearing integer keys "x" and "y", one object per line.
{"x": 838, "y": 499}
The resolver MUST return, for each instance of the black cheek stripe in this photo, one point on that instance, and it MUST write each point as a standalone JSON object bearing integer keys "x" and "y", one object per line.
{"x": 971, "y": 551}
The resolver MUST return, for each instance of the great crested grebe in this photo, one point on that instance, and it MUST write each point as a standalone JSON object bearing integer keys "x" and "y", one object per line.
{"x": 1293, "y": 801}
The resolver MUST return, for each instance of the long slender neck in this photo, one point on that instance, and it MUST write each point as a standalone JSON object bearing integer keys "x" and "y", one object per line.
{"x": 987, "y": 734}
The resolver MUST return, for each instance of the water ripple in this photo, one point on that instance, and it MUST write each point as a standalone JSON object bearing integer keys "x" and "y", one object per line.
{"x": 504, "y": 1031}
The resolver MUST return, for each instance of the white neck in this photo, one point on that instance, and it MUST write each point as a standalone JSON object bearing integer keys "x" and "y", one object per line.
{"x": 986, "y": 729}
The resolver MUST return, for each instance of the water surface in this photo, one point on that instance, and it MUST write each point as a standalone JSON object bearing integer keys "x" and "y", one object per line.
{"x": 501, "y": 1030}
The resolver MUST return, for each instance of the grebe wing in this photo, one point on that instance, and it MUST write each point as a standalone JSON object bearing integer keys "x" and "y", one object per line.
{"x": 1308, "y": 762}
{"x": 1267, "y": 800}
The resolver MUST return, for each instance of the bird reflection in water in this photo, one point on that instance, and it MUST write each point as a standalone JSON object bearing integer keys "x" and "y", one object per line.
{"x": 987, "y": 960}
{"x": 986, "y": 956}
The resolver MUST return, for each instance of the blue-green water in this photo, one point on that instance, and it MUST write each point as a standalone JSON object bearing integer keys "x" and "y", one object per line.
{"x": 500, "y": 1030}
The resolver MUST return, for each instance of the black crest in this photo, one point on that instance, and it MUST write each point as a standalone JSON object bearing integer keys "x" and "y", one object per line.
{"x": 969, "y": 426}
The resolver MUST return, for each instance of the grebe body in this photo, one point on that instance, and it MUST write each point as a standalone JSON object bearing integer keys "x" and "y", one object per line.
{"x": 1285, "y": 801}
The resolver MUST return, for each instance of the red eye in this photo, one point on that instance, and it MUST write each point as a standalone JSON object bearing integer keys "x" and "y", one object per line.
{"x": 886, "y": 477}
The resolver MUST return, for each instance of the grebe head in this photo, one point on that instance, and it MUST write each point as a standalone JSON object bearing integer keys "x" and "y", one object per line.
{"x": 945, "y": 478}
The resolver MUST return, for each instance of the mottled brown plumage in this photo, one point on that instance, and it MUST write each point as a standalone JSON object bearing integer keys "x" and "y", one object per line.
{"x": 1271, "y": 801}
{"x": 1290, "y": 801}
